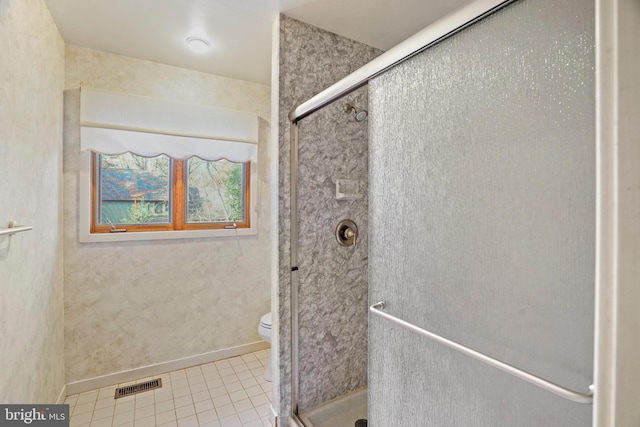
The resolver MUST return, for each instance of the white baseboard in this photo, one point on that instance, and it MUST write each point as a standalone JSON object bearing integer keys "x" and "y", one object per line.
{"x": 273, "y": 416}
{"x": 63, "y": 395}
{"x": 160, "y": 368}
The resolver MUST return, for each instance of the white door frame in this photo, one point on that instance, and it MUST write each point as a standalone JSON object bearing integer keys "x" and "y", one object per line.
{"x": 617, "y": 329}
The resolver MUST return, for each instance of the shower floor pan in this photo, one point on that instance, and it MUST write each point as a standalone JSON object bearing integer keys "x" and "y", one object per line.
{"x": 341, "y": 412}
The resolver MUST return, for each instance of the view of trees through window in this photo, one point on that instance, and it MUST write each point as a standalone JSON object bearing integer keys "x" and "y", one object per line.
{"x": 138, "y": 190}
{"x": 216, "y": 191}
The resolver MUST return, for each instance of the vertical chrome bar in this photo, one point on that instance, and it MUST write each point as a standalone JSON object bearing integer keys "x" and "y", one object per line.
{"x": 293, "y": 238}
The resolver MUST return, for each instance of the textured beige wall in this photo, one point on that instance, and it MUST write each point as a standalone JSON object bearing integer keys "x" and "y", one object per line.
{"x": 133, "y": 304}
{"x": 31, "y": 299}
{"x": 133, "y": 76}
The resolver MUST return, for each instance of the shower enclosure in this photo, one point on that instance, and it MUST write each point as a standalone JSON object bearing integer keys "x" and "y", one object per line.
{"x": 481, "y": 223}
{"x": 322, "y": 284}
{"x": 329, "y": 287}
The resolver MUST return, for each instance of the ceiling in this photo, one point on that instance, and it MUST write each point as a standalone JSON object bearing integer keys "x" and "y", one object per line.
{"x": 239, "y": 30}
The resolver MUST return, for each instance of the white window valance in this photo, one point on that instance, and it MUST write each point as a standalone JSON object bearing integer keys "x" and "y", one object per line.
{"x": 114, "y": 123}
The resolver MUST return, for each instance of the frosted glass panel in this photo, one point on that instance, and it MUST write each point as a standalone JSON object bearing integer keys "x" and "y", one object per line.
{"x": 482, "y": 221}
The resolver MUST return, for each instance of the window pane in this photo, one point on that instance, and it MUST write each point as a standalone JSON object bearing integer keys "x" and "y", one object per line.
{"x": 133, "y": 189}
{"x": 216, "y": 191}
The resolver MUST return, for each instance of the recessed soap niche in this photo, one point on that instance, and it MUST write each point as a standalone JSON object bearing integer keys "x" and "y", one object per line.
{"x": 349, "y": 189}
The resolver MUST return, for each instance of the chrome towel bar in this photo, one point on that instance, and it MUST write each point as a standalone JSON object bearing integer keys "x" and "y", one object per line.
{"x": 13, "y": 229}
{"x": 586, "y": 398}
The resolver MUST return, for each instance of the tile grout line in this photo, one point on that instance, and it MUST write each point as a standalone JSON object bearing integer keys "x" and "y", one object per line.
{"x": 230, "y": 379}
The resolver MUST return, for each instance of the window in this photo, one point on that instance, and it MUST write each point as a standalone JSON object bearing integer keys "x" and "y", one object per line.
{"x": 156, "y": 169}
{"x": 131, "y": 193}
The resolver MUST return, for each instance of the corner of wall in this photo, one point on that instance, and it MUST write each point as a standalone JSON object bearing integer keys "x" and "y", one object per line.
{"x": 275, "y": 130}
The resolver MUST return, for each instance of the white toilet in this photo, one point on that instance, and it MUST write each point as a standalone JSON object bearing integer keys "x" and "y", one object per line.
{"x": 264, "y": 330}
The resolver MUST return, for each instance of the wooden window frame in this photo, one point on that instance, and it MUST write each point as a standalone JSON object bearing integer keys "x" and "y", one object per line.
{"x": 179, "y": 206}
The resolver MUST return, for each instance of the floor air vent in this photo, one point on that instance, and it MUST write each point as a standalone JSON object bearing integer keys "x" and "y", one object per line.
{"x": 138, "y": 388}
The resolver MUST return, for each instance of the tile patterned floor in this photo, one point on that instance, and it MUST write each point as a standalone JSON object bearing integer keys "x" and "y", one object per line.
{"x": 227, "y": 393}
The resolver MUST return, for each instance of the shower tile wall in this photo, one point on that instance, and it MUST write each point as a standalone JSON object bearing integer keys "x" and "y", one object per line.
{"x": 333, "y": 278}
{"x": 311, "y": 60}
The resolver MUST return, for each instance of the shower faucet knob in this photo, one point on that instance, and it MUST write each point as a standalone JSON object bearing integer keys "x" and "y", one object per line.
{"x": 346, "y": 233}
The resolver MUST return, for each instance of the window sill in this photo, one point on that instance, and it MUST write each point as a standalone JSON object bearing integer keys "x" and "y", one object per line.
{"x": 164, "y": 235}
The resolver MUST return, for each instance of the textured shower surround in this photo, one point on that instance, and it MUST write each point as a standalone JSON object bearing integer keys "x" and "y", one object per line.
{"x": 333, "y": 285}
{"x": 31, "y": 295}
{"x": 333, "y": 278}
{"x": 133, "y": 304}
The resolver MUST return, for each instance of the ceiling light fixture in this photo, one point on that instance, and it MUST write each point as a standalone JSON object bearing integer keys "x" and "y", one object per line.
{"x": 198, "y": 44}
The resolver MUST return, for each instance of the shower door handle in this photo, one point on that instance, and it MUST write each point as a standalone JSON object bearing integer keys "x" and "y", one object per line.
{"x": 574, "y": 396}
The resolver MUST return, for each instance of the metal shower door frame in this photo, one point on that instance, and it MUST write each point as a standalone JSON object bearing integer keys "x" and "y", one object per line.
{"x": 433, "y": 34}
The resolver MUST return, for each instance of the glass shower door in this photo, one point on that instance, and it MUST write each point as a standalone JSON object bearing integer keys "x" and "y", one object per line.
{"x": 482, "y": 222}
